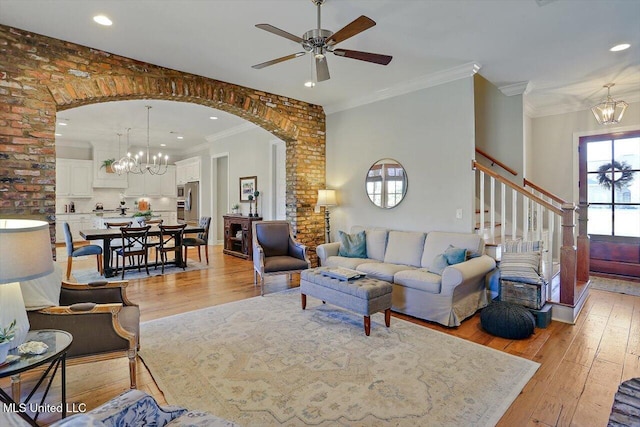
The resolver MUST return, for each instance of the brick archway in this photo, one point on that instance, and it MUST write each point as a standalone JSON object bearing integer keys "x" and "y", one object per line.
{"x": 40, "y": 76}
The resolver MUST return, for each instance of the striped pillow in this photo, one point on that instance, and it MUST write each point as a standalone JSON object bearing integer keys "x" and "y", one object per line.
{"x": 522, "y": 246}
{"x": 521, "y": 267}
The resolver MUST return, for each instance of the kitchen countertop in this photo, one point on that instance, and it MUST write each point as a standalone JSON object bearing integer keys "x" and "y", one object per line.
{"x": 109, "y": 213}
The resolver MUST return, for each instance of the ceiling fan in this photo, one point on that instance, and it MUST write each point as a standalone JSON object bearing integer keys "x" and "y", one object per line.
{"x": 320, "y": 41}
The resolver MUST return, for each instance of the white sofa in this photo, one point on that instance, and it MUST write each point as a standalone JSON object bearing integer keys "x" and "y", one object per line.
{"x": 403, "y": 258}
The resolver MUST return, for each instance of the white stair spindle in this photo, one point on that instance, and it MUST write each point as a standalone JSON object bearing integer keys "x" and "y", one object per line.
{"x": 481, "y": 226}
{"x": 492, "y": 209}
{"x": 514, "y": 214}
{"x": 503, "y": 211}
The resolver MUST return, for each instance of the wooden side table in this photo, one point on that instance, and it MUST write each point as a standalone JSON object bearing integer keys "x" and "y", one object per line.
{"x": 58, "y": 343}
{"x": 238, "y": 239}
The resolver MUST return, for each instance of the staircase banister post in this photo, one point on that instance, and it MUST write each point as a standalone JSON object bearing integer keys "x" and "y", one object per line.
{"x": 568, "y": 256}
{"x": 584, "y": 243}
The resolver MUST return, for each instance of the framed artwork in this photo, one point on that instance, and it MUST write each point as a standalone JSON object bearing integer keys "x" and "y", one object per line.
{"x": 248, "y": 185}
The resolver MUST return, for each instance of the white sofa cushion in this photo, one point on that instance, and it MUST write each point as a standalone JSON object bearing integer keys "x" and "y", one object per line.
{"x": 420, "y": 279}
{"x": 382, "y": 270}
{"x": 405, "y": 247}
{"x": 376, "y": 238}
{"x": 438, "y": 241}
{"x": 352, "y": 263}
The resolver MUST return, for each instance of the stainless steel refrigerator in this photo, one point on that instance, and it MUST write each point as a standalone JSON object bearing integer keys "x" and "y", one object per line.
{"x": 191, "y": 205}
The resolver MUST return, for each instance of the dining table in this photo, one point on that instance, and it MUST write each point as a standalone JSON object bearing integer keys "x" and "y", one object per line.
{"x": 109, "y": 234}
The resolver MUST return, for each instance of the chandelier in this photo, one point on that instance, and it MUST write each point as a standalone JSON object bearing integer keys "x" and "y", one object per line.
{"x": 609, "y": 111}
{"x": 153, "y": 164}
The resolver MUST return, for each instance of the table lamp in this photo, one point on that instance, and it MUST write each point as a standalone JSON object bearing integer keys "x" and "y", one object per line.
{"x": 327, "y": 198}
{"x": 25, "y": 254}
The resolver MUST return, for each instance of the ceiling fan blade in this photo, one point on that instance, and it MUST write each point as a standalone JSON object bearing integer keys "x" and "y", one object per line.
{"x": 322, "y": 69}
{"x": 279, "y": 32}
{"x": 277, "y": 60}
{"x": 355, "y": 27}
{"x": 376, "y": 58}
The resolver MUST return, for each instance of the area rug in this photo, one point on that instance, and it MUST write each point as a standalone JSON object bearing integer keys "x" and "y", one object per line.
{"x": 266, "y": 362}
{"x": 615, "y": 285}
{"x": 86, "y": 276}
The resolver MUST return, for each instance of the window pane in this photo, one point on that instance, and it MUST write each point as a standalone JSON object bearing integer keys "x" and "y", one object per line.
{"x": 627, "y": 221}
{"x": 597, "y": 193}
{"x": 628, "y": 151}
{"x": 599, "y": 220}
{"x": 630, "y": 193}
{"x": 598, "y": 154}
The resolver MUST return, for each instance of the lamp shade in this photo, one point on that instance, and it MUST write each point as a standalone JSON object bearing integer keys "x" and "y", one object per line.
{"x": 25, "y": 250}
{"x": 327, "y": 198}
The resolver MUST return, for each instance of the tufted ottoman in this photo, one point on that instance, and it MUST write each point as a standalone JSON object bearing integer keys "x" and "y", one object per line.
{"x": 364, "y": 296}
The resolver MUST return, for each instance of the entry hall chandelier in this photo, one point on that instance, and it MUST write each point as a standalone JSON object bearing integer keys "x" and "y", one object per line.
{"x": 609, "y": 111}
{"x": 154, "y": 164}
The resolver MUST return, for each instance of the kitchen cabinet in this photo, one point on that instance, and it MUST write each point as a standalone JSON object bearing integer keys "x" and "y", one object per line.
{"x": 168, "y": 182}
{"x": 74, "y": 178}
{"x": 188, "y": 170}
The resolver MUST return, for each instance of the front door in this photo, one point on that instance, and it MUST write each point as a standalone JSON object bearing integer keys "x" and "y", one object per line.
{"x": 610, "y": 185}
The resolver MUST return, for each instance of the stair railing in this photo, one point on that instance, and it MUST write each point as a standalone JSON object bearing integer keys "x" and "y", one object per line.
{"x": 534, "y": 207}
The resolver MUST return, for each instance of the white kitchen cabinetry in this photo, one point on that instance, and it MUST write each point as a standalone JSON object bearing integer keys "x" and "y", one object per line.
{"x": 74, "y": 178}
{"x": 153, "y": 185}
{"x": 188, "y": 170}
{"x": 76, "y": 222}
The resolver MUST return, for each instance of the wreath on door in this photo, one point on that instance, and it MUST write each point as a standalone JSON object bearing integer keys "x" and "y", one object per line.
{"x": 618, "y": 174}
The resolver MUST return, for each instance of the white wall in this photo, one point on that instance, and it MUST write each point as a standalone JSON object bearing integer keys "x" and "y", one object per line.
{"x": 249, "y": 155}
{"x": 431, "y": 133}
{"x": 554, "y": 149}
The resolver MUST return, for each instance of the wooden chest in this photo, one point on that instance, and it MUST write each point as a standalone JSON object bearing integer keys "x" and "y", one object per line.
{"x": 525, "y": 294}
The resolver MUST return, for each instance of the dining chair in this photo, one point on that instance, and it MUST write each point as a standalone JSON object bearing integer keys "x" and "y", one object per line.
{"x": 202, "y": 239}
{"x": 153, "y": 241}
{"x": 116, "y": 243}
{"x": 134, "y": 246}
{"x": 73, "y": 252}
{"x": 170, "y": 238}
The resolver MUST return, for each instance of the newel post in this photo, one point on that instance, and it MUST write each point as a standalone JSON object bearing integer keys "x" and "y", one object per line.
{"x": 568, "y": 256}
{"x": 583, "y": 244}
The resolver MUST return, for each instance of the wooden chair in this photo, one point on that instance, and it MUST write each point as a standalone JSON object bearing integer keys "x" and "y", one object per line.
{"x": 170, "y": 236}
{"x": 201, "y": 240}
{"x": 73, "y": 252}
{"x": 103, "y": 322}
{"x": 153, "y": 241}
{"x": 116, "y": 244}
{"x": 275, "y": 251}
{"x": 134, "y": 246}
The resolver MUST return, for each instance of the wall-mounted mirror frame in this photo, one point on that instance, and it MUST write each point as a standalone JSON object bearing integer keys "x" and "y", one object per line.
{"x": 386, "y": 183}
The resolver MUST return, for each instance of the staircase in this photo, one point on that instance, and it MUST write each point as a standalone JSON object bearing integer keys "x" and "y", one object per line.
{"x": 508, "y": 210}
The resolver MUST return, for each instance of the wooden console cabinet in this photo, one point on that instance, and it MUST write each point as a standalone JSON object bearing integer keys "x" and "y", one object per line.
{"x": 237, "y": 235}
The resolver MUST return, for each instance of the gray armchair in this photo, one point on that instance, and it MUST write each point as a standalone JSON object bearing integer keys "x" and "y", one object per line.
{"x": 275, "y": 251}
{"x": 103, "y": 322}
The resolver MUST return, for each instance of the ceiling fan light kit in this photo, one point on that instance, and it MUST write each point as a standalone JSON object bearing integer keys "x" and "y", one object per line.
{"x": 319, "y": 41}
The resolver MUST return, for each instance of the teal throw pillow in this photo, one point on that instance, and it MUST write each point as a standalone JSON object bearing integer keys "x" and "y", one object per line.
{"x": 455, "y": 255}
{"x": 352, "y": 245}
{"x": 438, "y": 264}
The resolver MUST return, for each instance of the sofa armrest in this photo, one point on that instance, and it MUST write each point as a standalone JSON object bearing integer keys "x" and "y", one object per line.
{"x": 469, "y": 271}
{"x": 326, "y": 250}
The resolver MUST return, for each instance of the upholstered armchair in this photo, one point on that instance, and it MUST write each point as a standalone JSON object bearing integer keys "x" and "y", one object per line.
{"x": 103, "y": 322}
{"x": 275, "y": 251}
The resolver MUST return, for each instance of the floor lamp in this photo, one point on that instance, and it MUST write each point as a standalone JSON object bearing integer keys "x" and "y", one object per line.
{"x": 327, "y": 198}
{"x": 25, "y": 254}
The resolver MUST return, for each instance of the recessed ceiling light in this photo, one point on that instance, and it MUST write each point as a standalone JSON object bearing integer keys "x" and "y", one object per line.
{"x": 309, "y": 84}
{"x": 213, "y": 118}
{"x": 58, "y": 134}
{"x": 102, "y": 20}
{"x": 62, "y": 123}
{"x": 163, "y": 145}
{"x": 619, "y": 47}
{"x": 181, "y": 137}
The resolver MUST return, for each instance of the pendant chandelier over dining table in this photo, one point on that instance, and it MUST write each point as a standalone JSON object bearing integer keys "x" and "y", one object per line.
{"x": 142, "y": 162}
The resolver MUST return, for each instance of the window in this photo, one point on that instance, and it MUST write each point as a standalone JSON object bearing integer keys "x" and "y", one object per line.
{"x": 610, "y": 166}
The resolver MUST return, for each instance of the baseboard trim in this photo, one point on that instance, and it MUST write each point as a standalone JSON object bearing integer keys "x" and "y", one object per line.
{"x": 567, "y": 313}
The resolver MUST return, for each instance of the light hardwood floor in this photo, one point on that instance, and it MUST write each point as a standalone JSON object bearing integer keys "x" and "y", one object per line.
{"x": 581, "y": 365}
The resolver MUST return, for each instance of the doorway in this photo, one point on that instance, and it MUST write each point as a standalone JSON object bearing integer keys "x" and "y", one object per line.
{"x": 610, "y": 186}
{"x": 220, "y": 195}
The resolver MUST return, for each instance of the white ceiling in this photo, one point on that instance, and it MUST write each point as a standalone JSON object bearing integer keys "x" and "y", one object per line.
{"x": 561, "y": 48}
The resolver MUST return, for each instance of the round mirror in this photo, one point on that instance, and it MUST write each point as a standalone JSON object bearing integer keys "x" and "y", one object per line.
{"x": 386, "y": 183}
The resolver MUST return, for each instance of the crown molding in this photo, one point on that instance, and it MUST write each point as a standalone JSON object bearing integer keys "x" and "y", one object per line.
{"x": 423, "y": 82}
{"x": 521, "y": 88}
{"x": 73, "y": 143}
{"x": 535, "y": 112}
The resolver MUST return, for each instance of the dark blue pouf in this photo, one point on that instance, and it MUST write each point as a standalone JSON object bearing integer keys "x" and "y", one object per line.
{"x": 507, "y": 320}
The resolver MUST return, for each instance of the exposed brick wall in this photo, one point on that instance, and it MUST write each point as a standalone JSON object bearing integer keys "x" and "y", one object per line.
{"x": 40, "y": 76}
